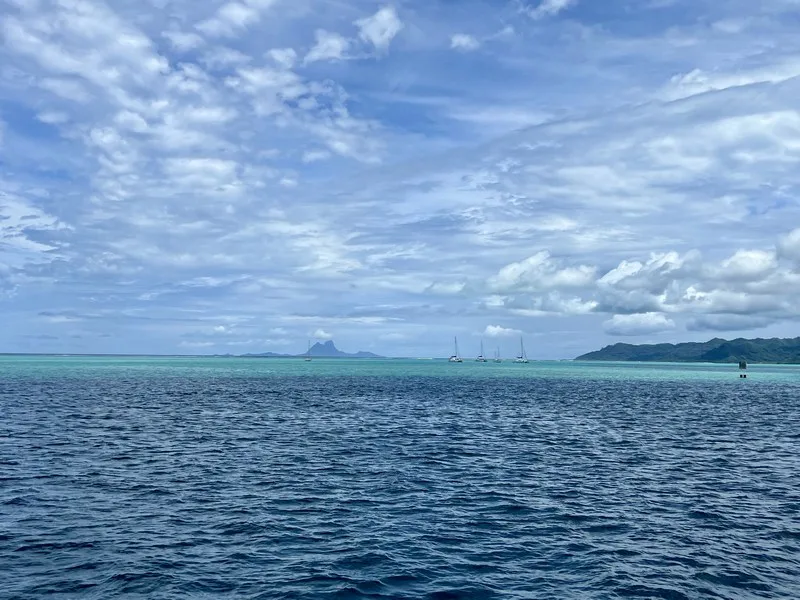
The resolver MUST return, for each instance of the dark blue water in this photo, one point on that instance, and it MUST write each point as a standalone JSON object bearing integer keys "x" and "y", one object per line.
{"x": 151, "y": 486}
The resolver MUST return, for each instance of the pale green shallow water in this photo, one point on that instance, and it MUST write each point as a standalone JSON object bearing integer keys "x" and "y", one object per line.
{"x": 102, "y": 366}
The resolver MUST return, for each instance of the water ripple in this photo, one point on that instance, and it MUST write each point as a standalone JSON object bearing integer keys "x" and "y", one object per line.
{"x": 200, "y": 486}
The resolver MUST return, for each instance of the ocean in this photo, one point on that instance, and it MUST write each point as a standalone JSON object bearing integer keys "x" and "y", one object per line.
{"x": 200, "y": 478}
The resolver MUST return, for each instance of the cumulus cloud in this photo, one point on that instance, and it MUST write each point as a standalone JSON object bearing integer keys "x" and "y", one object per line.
{"x": 463, "y": 41}
{"x": 381, "y": 28}
{"x": 549, "y": 304}
{"x": 540, "y": 273}
{"x": 748, "y": 265}
{"x": 495, "y": 331}
{"x": 638, "y": 324}
{"x": 321, "y": 334}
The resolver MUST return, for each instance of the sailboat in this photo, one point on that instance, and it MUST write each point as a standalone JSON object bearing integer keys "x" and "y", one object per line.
{"x": 522, "y": 358}
{"x": 481, "y": 357}
{"x": 455, "y": 358}
{"x": 308, "y": 352}
{"x": 497, "y": 356}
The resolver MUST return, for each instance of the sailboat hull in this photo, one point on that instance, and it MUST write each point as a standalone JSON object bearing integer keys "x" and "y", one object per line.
{"x": 522, "y": 358}
{"x": 455, "y": 358}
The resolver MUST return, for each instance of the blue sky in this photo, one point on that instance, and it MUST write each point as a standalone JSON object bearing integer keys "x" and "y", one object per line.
{"x": 239, "y": 176}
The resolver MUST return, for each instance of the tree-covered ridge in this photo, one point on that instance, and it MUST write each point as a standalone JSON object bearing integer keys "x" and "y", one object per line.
{"x": 774, "y": 350}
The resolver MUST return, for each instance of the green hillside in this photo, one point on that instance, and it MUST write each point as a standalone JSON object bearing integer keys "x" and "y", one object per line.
{"x": 774, "y": 350}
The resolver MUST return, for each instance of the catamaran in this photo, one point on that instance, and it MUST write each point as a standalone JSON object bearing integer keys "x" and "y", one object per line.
{"x": 456, "y": 357}
{"x": 522, "y": 358}
{"x": 481, "y": 357}
{"x": 497, "y": 356}
{"x": 308, "y": 352}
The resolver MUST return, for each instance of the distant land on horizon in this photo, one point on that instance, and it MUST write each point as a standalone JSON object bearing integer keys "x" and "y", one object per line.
{"x": 759, "y": 350}
{"x": 319, "y": 350}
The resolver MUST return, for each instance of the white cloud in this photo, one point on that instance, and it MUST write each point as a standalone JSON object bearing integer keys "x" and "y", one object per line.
{"x": 196, "y": 344}
{"x": 52, "y": 117}
{"x": 540, "y": 273}
{"x": 311, "y": 156}
{"x": 21, "y": 223}
{"x": 381, "y": 28}
{"x": 232, "y": 17}
{"x": 698, "y": 81}
{"x": 495, "y": 331}
{"x": 285, "y": 57}
{"x": 321, "y": 334}
{"x": 68, "y": 89}
{"x": 377, "y": 30}
{"x": 58, "y": 318}
{"x": 222, "y": 57}
{"x": 446, "y": 288}
{"x": 548, "y": 8}
{"x": 463, "y": 41}
{"x": 748, "y": 265}
{"x": 638, "y": 324}
{"x": 549, "y": 304}
{"x": 328, "y": 46}
{"x": 183, "y": 41}
{"x": 789, "y": 246}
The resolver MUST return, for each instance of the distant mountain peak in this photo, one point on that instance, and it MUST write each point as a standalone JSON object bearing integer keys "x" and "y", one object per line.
{"x": 326, "y": 349}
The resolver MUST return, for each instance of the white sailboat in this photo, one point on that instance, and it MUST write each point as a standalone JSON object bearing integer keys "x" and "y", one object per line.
{"x": 456, "y": 358}
{"x": 522, "y": 358}
{"x": 497, "y": 356}
{"x": 481, "y": 357}
{"x": 308, "y": 352}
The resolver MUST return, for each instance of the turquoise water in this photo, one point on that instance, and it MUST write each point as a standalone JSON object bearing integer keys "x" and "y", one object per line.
{"x": 101, "y": 366}
{"x": 199, "y": 478}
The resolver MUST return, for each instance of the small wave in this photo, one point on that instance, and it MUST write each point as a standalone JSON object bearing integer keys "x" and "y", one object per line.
{"x": 307, "y": 487}
{"x": 645, "y": 591}
{"x": 51, "y": 546}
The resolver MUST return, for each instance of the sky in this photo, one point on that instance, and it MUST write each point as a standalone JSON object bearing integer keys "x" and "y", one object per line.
{"x": 237, "y": 176}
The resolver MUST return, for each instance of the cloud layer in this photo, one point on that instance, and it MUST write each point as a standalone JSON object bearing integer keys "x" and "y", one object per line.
{"x": 244, "y": 176}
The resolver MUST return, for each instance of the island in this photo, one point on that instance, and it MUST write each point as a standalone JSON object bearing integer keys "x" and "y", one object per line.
{"x": 319, "y": 350}
{"x": 773, "y": 351}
